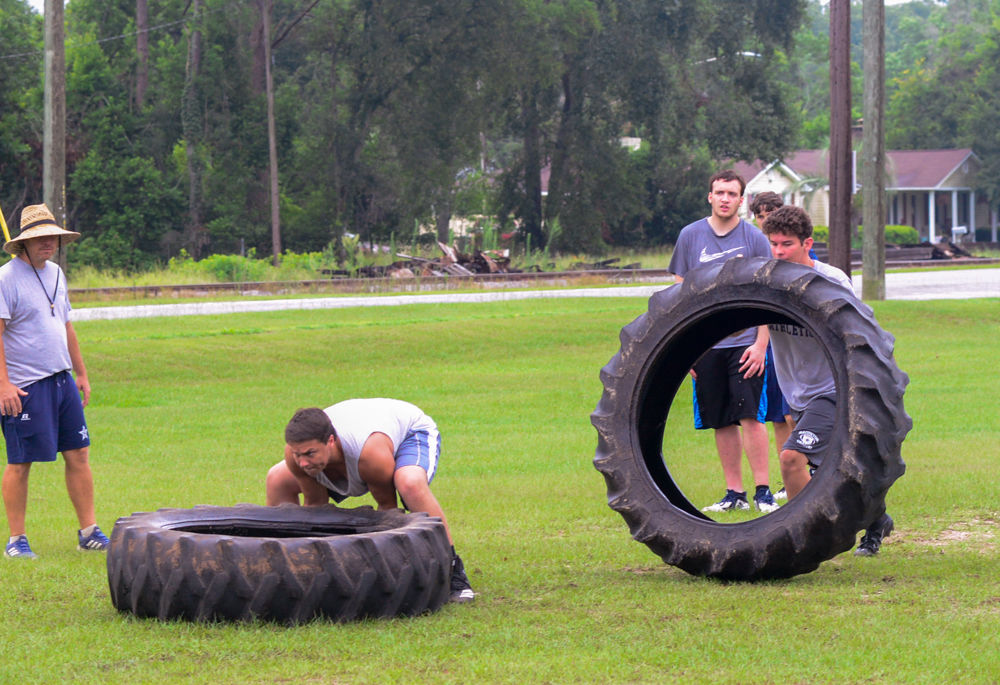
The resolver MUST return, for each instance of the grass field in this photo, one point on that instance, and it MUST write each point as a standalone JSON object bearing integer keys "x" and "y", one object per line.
{"x": 190, "y": 411}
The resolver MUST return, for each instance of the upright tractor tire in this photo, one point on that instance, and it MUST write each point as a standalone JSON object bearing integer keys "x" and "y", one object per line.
{"x": 641, "y": 380}
{"x": 288, "y": 564}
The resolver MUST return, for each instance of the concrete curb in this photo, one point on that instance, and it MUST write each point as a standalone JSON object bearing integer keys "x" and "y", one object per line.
{"x": 926, "y": 285}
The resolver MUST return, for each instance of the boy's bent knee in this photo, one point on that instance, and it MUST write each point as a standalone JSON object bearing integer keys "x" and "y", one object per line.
{"x": 790, "y": 459}
{"x": 410, "y": 479}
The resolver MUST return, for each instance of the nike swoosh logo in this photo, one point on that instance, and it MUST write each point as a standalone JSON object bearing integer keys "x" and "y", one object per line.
{"x": 706, "y": 257}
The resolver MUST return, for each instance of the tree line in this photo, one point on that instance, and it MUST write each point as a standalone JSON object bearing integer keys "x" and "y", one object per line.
{"x": 391, "y": 116}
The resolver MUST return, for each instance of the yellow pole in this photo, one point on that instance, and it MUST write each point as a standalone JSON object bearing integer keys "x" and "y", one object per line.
{"x": 3, "y": 224}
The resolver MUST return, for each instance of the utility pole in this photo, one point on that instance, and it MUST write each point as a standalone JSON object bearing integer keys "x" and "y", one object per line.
{"x": 54, "y": 126}
{"x": 272, "y": 143}
{"x": 841, "y": 181}
{"x": 873, "y": 153}
{"x": 191, "y": 125}
{"x": 142, "y": 53}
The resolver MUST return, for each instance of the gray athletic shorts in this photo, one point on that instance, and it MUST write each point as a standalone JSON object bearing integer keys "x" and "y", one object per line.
{"x": 813, "y": 428}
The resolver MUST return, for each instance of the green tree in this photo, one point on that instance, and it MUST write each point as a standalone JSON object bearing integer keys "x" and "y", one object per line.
{"x": 119, "y": 198}
{"x": 20, "y": 113}
{"x": 982, "y": 127}
{"x": 587, "y": 73}
{"x": 930, "y": 100}
{"x": 383, "y": 110}
{"x": 388, "y": 113}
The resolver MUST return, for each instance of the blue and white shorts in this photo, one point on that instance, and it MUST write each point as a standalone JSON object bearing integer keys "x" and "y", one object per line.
{"x": 420, "y": 448}
{"x": 51, "y": 421}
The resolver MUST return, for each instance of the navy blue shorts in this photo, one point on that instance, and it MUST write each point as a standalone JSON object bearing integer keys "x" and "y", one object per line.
{"x": 51, "y": 421}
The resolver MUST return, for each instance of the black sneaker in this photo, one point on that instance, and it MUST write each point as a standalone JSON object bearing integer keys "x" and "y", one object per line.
{"x": 461, "y": 589}
{"x": 871, "y": 541}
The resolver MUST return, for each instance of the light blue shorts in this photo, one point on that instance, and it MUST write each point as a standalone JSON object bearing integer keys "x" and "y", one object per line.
{"x": 420, "y": 448}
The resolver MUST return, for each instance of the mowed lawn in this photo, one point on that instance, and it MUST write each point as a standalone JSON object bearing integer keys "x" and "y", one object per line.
{"x": 190, "y": 411}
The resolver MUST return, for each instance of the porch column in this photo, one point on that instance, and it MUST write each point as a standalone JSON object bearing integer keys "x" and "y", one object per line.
{"x": 954, "y": 213}
{"x": 972, "y": 215}
{"x": 931, "y": 218}
{"x": 993, "y": 224}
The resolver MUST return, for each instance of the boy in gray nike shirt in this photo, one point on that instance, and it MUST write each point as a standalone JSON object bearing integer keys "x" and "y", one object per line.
{"x": 728, "y": 379}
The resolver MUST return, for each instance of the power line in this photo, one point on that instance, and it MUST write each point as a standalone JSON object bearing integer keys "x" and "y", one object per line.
{"x": 132, "y": 34}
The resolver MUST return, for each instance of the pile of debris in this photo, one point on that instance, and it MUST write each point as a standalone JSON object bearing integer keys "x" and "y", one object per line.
{"x": 905, "y": 253}
{"x": 452, "y": 262}
{"x": 604, "y": 264}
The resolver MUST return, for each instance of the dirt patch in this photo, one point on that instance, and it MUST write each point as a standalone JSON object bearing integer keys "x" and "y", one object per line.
{"x": 976, "y": 533}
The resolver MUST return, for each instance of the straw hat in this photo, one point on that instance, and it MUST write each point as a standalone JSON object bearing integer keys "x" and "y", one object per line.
{"x": 37, "y": 221}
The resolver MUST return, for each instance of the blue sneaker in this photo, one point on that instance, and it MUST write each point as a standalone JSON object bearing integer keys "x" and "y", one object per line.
{"x": 733, "y": 500}
{"x": 764, "y": 500}
{"x": 20, "y": 549}
{"x": 95, "y": 542}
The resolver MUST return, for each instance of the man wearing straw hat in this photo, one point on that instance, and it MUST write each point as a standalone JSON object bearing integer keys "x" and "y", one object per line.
{"x": 40, "y": 402}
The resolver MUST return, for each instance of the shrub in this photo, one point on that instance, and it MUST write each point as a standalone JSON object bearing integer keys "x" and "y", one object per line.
{"x": 231, "y": 268}
{"x": 984, "y": 235}
{"x": 897, "y": 235}
{"x": 219, "y": 267}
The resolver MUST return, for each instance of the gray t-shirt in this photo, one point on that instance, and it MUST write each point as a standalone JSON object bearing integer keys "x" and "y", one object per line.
{"x": 698, "y": 245}
{"x": 803, "y": 370}
{"x": 34, "y": 340}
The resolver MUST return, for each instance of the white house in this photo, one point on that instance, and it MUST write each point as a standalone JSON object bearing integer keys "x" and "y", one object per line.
{"x": 931, "y": 190}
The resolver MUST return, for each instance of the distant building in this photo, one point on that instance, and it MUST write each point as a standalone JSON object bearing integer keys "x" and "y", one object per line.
{"x": 931, "y": 190}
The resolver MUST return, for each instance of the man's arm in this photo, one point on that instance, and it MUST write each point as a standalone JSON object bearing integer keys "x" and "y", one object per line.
{"x": 313, "y": 494}
{"x": 376, "y": 468}
{"x": 79, "y": 369}
{"x": 10, "y": 394}
{"x": 752, "y": 361}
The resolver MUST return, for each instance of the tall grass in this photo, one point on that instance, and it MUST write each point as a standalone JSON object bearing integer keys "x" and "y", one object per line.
{"x": 190, "y": 411}
{"x": 316, "y": 265}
